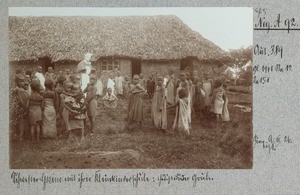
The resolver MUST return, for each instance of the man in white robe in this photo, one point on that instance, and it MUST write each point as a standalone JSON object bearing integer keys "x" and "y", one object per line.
{"x": 40, "y": 76}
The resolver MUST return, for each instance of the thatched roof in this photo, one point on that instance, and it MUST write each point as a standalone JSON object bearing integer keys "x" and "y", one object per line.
{"x": 144, "y": 37}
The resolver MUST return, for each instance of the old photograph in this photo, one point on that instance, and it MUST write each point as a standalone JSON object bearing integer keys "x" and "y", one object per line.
{"x": 130, "y": 88}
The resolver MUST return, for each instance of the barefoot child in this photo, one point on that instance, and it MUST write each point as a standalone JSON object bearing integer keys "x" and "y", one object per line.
{"x": 35, "y": 110}
{"x": 159, "y": 106}
{"x": 72, "y": 112}
{"x": 207, "y": 86}
{"x": 136, "y": 105}
{"x": 218, "y": 101}
{"x": 59, "y": 105}
{"x": 199, "y": 104}
{"x": 91, "y": 101}
{"x": 49, "y": 113}
{"x": 21, "y": 97}
{"x": 181, "y": 122}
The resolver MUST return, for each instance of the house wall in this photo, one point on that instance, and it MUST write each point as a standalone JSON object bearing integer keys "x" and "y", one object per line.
{"x": 204, "y": 67}
{"x": 160, "y": 67}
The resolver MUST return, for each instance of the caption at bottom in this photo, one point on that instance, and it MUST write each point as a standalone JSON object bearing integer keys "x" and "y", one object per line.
{"x": 21, "y": 180}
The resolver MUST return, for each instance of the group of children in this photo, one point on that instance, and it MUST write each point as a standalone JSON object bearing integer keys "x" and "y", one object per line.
{"x": 187, "y": 94}
{"x": 42, "y": 105}
{"x": 61, "y": 99}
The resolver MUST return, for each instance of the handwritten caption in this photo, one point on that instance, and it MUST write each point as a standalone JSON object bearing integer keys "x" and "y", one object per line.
{"x": 99, "y": 177}
{"x": 278, "y": 23}
{"x": 271, "y": 143}
{"x": 262, "y": 72}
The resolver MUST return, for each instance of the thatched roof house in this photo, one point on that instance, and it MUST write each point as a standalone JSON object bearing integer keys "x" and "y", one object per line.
{"x": 138, "y": 40}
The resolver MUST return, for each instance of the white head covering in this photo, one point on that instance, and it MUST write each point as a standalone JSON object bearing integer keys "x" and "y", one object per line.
{"x": 88, "y": 56}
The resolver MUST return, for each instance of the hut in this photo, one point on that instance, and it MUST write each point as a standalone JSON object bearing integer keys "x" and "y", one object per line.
{"x": 131, "y": 44}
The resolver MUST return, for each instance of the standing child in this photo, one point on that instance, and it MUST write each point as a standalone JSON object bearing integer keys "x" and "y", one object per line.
{"x": 218, "y": 101}
{"x": 58, "y": 104}
{"x": 49, "y": 113}
{"x": 181, "y": 122}
{"x": 35, "y": 110}
{"x": 199, "y": 104}
{"x": 207, "y": 86}
{"x": 91, "y": 101}
{"x": 159, "y": 106}
{"x": 136, "y": 105}
{"x": 22, "y": 96}
{"x": 225, "y": 113}
{"x": 150, "y": 86}
{"x": 73, "y": 111}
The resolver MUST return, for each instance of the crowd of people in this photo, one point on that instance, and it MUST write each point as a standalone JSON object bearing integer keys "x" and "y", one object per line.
{"x": 69, "y": 99}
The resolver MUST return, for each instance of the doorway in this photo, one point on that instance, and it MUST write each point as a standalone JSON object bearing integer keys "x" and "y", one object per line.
{"x": 136, "y": 67}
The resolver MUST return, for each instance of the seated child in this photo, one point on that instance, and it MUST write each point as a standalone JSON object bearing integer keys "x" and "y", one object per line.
{"x": 110, "y": 100}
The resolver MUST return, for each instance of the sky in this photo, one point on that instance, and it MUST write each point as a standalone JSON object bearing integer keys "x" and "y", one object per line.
{"x": 228, "y": 27}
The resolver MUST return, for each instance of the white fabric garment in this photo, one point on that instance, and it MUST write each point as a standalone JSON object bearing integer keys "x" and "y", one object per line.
{"x": 99, "y": 87}
{"x": 85, "y": 79}
{"x": 111, "y": 84}
{"x": 119, "y": 85}
{"x": 41, "y": 78}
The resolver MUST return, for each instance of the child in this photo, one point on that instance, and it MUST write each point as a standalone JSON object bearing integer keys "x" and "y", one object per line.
{"x": 35, "y": 110}
{"x": 49, "y": 113}
{"x": 110, "y": 100}
{"x": 21, "y": 95}
{"x": 225, "y": 113}
{"x": 126, "y": 87}
{"x": 99, "y": 85}
{"x": 199, "y": 104}
{"x": 72, "y": 108}
{"x": 91, "y": 100}
{"x": 150, "y": 86}
{"x": 170, "y": 87}
{"x": 181, "y": 122}
{"x": 207, "y": 86}
{"x": 58, "y": 104}
{"x": 218, "y": 101}
{"x": 136, "y": 105}
{"x": 159, "y": 106}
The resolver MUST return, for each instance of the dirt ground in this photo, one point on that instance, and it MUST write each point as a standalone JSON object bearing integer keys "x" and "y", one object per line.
{"x": 117, "y": 145}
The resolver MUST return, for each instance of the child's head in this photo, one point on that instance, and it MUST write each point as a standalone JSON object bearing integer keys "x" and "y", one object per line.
{"x": 118, "y": 73}
{"x": 76, "y": 89}
{"x": 206, "y": 75}
{"x": 50, "y": 69}
{"x": 61, "y": 79}
{"x": 28, "y": 72}
{"x": 35, "y": 86}
{"x": 68, "y": 71}
{"x": 182, "y": 76}
{"x": 93, "y": 79}
{"x": 135, "y": 79}
{"x": 68, "y": 86}
{"x": 184, "y": 84}
{"x": 60, "y": 72}
{"x": 18, "y": 71}
{"x": 109, "y": 91}
{"x": 111, "y": 76}
{"x": 49, "y": 84}
{"x": 76, "y": 79}
{"x": 182, "y": 93}
{"x": 20, "y": 80}
{"x": 218, "y": 83}
{"x": 160, "y": 81}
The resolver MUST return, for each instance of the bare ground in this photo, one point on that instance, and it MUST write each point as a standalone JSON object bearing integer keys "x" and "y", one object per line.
{"x": 117, "y": 145}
